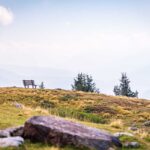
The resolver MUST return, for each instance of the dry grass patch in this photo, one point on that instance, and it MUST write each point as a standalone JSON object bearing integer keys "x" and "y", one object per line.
{"x": 118, "y": 123}
{"x": 145, "y": 115}
{"x": 143, "y": 133}
{"x": 122, "y": 111}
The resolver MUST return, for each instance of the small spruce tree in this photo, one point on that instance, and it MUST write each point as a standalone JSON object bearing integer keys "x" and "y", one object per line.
{"x": 84, "y": 82}
{"x": 124, "y": 87}
{"x": 41, "y": 86}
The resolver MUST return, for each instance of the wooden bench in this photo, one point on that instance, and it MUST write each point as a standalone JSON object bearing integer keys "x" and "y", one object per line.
{"x": 27, "y": 83}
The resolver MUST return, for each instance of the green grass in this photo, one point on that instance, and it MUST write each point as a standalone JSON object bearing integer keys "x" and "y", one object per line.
{"x": 40, "y": 146}
{"x": 125, "y": 139}
{"x": 77, "y": 114}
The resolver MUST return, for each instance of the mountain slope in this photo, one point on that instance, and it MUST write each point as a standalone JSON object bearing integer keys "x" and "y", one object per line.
{"x": 106, "y": 112}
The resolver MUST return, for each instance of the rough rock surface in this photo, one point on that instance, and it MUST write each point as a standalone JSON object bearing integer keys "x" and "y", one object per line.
{"x": 16, "y": 131}
{"x": 61, "y": 132}
{"x": 11, "y": 141}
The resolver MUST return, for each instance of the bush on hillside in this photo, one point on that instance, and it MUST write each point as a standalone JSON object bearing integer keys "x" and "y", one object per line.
{"x": 84, "y": 82}
{"x": 124, "y": 87}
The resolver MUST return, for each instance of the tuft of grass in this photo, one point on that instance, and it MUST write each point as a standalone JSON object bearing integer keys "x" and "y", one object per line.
{"x": 122, "y": 111}
{"x": 118, "y": 123}
{"x": 99, "y": 109}
{"x": 143, "y": 134}
{"x": 68, "y": 97}
{"x": 73, "y": 113}
{"x": 145, "y": 115}
{"x": 47, "y": 104}
{"x": 125, "y": 138}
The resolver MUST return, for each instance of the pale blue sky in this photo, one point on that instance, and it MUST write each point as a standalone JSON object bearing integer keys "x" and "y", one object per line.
{"x": 99, "y": 37}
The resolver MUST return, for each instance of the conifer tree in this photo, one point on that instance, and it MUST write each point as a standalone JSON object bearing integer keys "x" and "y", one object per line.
{"x": 124, "y": 87}
{"x": 41, "y": 86}
{"x": 84, "y": 82}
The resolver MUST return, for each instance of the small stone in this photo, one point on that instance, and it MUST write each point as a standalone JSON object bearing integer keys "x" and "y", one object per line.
{"x": 11, "y": 141}
{"x": 15, "y": 131}
{"x": 4, "y": 134}
{"x": 111, "y": 148}
{"x": 147, "y": 123}
{"x": 119, "y": 134}
{"x": 132, "y": 145}
{"x": 18, "y": 105}
{"x": 133, "y": 128}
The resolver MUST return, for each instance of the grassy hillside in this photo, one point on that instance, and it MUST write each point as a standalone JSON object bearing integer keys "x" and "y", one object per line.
{"x": 105, "y": 112}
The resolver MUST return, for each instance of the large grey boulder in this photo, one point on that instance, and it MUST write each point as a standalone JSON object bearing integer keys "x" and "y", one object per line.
{"x": 58, "y": 131}
{"x": 11, "y": 141}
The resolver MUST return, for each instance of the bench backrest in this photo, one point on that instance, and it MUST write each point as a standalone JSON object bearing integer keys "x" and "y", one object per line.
{"x": 28, "y": 82}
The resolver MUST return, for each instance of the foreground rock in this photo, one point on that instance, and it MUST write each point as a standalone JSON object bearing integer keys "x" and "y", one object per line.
{"x": 61, "y": 132}
{"x": 11, "y": 141}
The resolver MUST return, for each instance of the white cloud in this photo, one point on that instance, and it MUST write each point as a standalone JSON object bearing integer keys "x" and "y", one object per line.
{"x": 6, "y": 16}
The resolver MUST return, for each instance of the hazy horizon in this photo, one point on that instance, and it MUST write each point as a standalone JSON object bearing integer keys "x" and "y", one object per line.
{"x": 63, "y": 38}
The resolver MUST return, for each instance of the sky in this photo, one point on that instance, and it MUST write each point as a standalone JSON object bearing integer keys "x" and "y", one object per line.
{"x": 102, "y": 38}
